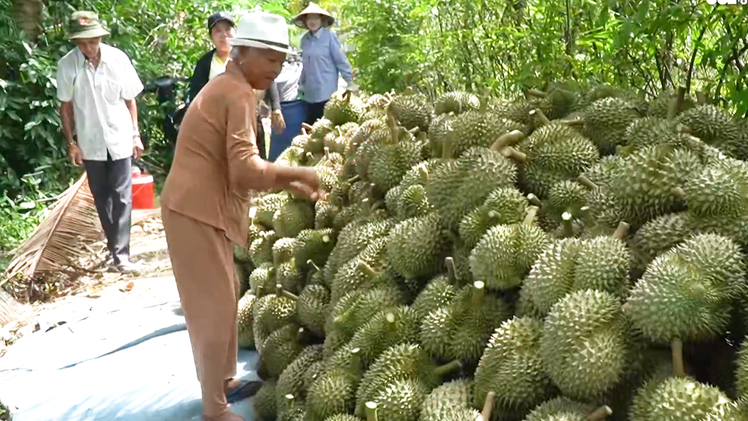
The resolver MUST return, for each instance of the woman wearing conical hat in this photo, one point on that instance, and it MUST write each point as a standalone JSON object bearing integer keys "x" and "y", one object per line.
{"x": 323, "y": 61}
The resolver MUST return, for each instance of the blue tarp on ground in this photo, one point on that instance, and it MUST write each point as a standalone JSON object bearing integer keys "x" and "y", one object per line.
{"x": 112, "y": 359}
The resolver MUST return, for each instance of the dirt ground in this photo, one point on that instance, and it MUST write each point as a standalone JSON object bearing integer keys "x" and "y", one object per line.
{"x": 154, "y": 280}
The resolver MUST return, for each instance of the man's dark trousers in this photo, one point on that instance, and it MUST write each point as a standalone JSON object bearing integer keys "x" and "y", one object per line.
{"x": 111, "y": 186}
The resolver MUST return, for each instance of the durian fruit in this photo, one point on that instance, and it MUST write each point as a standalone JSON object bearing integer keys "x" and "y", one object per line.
{"x": 718, "y": 190}
{"x": 456, "y": 102}
{"x": 292, "y": 380}
{"x": 678, "y": 398}
{"x": 417, "y": 246}
{"x": 266, "y": 206}
{"x": 366, "y": 270}
{"x": 402, "y": 361}
{"x": 359, "y": 306}
{"x": 312, "y": 307}
{"x": 564, "y": 409}
{"x": 293, "y": 411}
{"x": 584, "y": 343}
{"x": 456, "y": 187}
{"x": 505, "y": 253}
{"x": 315, "y": 246}
{"x": 452, "y": 401}
{"x": 334, "y": 392}
{"x": 666, "y": 105}
{"x": 503, "y": 206}
{"x": 264, "y": 402}
{"x": 352, "y": 240}
{"x": 386, "y": 329}
{"x": 400, "y": 400}
{"x": 552, "y": 153}
{"x": 261, "y": 248}
{"x": 293, "y": 217}
{"x": 461, "y": 329}
{"x": 393, "y": 158}
{"x": 714, "y": 126}
{"x": 438, "y": 292}
{"x": 411, "y": 109}
{"x": 245, "y": 321}
{"x": 271, "y": 312}
{"x": 606, "y": 121}
{"x": 685, "y": 292}
{"x": 569, "y": 265}
{"x": 650, "y": 131}
{"x": 741, "y": 373}
{"x": 658, "y": 236}
{"x": 512, "y": 367}
{"x": 343, "y": 108}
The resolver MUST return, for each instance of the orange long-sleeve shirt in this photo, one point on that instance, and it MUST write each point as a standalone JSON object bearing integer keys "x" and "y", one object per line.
{"x": 217, "y": 162}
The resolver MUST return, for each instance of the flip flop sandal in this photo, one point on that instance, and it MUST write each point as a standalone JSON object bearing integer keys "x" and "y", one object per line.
{"x": 245, "y": 390}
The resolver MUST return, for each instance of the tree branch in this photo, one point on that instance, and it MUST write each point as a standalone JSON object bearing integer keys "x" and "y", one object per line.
{"x": 696, "y": 48}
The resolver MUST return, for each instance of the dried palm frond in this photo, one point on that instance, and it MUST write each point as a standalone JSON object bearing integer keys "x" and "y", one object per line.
{"x": 56, "y": 242}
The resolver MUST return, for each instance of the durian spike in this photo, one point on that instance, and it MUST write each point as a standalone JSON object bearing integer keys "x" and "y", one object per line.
{"x": 534, "y": 200}
{"x": 532, "y": 212}
{"x": 568, "y": 226}
{"x": 314, "y": 266}
{"x": 587, "y": 182}
{"x": 306, "y": 126}
{"x": 479, "y": 292}
{"x": 424, "y": 173}
{"x": 488, "y": 406}
{"x": 514, "y": 154}
{"x": 449, "y": 262}
{"x": 371, "y": 411}
{"x": 622, "y": 231}
{"x": 447, "y": 368}
{"x": 279, "y": 291}
{"x": 600, "y": 414}
{"x": 367, "y": 270}
{"x": 676, "y": 103}
{"x": 679, "y": 192}
{"x": 676, "y": 347}
{"x": 541, "y": 119}
{"x": 536, "y": 93}
{"x": 507, "y": 139}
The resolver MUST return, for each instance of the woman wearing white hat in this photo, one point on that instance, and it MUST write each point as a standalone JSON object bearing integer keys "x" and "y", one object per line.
{"x": 323, "y": 60}
{"x": 205, "y": 203}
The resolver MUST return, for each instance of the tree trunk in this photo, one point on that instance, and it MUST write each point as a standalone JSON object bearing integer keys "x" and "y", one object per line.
{"x": 29, "y": 14}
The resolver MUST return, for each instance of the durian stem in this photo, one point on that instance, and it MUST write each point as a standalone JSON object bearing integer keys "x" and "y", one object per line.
{"x": 447, "y": 368}
{"x": 392, "y": 124}
{"x": 676, "y": 103}
{"x": 488, "y": 406}
{"x": 371, "y": 411}
{"x": 447, "y": 150}
{"x": 587, "y": 182}
{"x": 485, "y": 96}
{"x": 314, "y": 266}
{"x": 600, "y": 413}
{"x": 568, "y": 226}
{"x": 532, "y": 212}
{"x": 679, "y": 192}
{"x": 301, "y": 335}
{"x": 622, "y": 231}
{"x": 259, "y": 289}
{"x": 289, "y": 295}
{"x": 540, "y": 117}
{"x": 536, "y": 93}
{"x": 367, "y": 270}
{"x": 479, "y": 292}
{"x": 676, "y": 346}
{"x": 577, "y": 122}
{"x": 514, "y": 154}
{"x": 327, "y": 152}
{"x": 424, "y": 173}
{"x": 589, "y": 219}
{"x": 279, "y": 290}
{"x": 414, "y": 131}
{"x": 534, "y": 200}
{"x": 289, "y": 400}
{"x": 366, "y": 205}
{"x": 449, "y": 262}
{"x": 507, "y": 139}
{"x": 355, "y": 361}
{"x": 354, "y": 178}
{"x": 310, "y": 156}
{"x": 304, "y": 131}
{"x": 306, "y": 126}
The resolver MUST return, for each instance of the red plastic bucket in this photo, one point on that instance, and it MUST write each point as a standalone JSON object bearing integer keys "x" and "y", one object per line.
{"x": 142, "y": 191}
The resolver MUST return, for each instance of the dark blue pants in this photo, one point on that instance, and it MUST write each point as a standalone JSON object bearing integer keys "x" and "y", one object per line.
{"x": 314, "y": 111}
{"x": 294, "y": 114}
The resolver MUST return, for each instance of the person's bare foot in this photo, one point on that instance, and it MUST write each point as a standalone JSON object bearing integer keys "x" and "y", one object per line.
{"x": 226, "y": 416}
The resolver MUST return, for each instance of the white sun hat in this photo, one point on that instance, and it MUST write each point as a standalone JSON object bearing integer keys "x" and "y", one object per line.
{"x": 262, "y": 30}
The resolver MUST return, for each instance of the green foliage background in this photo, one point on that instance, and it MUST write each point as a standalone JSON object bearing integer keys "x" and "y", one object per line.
{"x": 433, "y": 45}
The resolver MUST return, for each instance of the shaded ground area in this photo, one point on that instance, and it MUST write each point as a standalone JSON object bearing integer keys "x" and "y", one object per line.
{"x": 116, "y": 348}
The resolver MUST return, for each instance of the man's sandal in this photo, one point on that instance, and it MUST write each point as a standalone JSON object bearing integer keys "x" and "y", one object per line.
{"x": 245, "y": 390}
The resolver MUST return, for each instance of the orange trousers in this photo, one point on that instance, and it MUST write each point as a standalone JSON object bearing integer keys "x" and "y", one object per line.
{"x": 202, "y": 261}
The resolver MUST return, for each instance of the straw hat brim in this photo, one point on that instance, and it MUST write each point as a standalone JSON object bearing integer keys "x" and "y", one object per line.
{"x": 90, "y": 33}
{"x": 327, "y": 19}
{"x": 241, "y": 42}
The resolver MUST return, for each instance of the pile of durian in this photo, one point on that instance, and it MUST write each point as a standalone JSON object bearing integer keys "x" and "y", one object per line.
{"x": 575, "y": 255}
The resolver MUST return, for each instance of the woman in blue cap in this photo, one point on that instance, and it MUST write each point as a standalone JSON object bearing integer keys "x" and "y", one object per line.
{"x": 221, "y": 26}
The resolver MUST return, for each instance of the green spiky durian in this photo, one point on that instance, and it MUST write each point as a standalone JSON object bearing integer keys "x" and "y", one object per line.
{"x": 718, "y": 190}
{"x": 584, "y": 343}
{"x": 606, "y": 121}
{"x": 685, "y": 291}
{"x": 561, "y": 409}
{"x": 314, "y": 245}
{"x": 357, "y": 307}
{"x": 452, "y": 401}
{"x": 511, "y": 366}
{"x": 504, "y": 206}
{"x": 281, "y": 348}
{"x": 261, "y": 248}
{"x": 312, "y": 305}
{"x": 342, "y": 109}
{"x": 401, "y": 400}
{"x": 264, "y": 402}
{"x": 293, "y": 217}
{"x": 714, "y": 126}
{"x": 245, "y": 320}
{"x": 352, "y": 240}
{"x": 677, "y": 399}
{"x": 411, "y": 109}
{"x": 417, "y": 246}
{"x": 267, "y": 205}
{"x": 456, "y": 102}
{"x": 386, "y": 329}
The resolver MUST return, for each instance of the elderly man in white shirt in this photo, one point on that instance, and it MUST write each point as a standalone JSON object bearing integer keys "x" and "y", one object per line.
{"x": 97, "y": 85}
